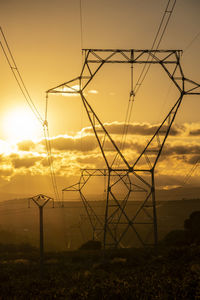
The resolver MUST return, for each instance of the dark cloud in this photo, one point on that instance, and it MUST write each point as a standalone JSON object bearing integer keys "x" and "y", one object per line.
{"x": 44, "y": 162}
{"x": 84, "y": 144}
{"x": 136, "y": 129}
{"x": 27, "y": 145}
{"x": 195, "y": 132}
{"x": 6, "y": 172}
{"x": 87, "y": 142}
{"x": 181, "y": 149}
{"x": 24, "y": 162}
{"x": 194, "y": 159}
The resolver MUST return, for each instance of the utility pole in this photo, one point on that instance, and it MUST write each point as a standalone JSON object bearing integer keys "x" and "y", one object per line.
{"x": 41, "y": 200}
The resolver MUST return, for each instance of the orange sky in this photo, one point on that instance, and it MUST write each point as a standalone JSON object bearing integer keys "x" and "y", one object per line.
{"x": 45, "y": 39}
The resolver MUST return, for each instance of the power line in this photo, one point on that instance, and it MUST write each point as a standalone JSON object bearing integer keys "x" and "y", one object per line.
{"x": 50, "y": 161}
{"x": 17, "y": 75}
{"x": 49, "y": 152}
{"x": 81, "y": 23}
{"x": 191, "y": 42}
{"x": 155, "y": 45}
{"x": 13, "y": 66}
{"x": 156, "y": 42}
{"x": 194, "y": 167}
{"x": 192, "y": 170}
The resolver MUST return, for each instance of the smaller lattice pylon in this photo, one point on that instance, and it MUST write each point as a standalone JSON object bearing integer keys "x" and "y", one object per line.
{"x": 40, "y": 200}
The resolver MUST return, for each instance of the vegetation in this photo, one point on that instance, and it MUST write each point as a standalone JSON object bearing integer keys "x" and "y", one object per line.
{"x": 162, "y": 273}
{"x": 190, "y": 234}
{"x": 192, "y": 226}
{"x": 169, "y": 271}
{"x": 91, "y": 245}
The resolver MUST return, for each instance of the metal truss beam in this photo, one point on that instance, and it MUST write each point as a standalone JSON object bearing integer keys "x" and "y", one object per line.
{"x": 124, "y": 180}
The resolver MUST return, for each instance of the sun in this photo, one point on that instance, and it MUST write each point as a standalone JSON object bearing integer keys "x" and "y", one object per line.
{"x": 21, "y": 124}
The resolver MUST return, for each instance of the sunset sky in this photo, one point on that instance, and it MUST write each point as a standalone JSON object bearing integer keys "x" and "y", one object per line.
{"x": 45, "y": 40}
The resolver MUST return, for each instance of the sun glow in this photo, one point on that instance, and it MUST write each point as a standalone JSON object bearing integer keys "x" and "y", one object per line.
{"x": 20, "y": 124}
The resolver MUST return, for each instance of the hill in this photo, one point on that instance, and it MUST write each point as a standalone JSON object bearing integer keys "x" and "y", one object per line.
{"x": 67, "y": 227}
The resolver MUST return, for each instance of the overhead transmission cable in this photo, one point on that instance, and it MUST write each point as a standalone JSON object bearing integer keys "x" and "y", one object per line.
{"x": 49, "y": 153}
{"x": 194, "y": 167}
{"x": 191, "y": 42}
{"x": 157, "y": 41}
{"x": 155, "y": 45}
{"x": 17, "y": 75}
{"x": 12, "y": 64}
{"x": 81, "y": 38}
{"x": 81, "y": 23}
{"x": 192, "y": 170}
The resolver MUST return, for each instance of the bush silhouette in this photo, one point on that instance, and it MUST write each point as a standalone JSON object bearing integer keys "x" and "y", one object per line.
{"x": 91, "y": 245}
{"x": 190, "y": 234}
{"x": 192, "y": 226}
{"x": 175, "y": 238}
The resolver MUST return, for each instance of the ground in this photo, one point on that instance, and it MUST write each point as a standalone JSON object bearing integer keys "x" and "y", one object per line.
{"x": 161, "y": 273}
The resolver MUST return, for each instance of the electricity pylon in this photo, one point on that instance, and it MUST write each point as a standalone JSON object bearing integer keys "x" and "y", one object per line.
{"x": 125, "y": 180}
{"x": 40, "y": 200}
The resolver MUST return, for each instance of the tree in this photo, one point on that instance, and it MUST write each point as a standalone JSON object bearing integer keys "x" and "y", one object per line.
{"x": 192, "y": 226}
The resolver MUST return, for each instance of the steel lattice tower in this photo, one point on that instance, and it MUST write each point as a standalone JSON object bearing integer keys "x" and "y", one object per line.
{"x": 117, "y": 225}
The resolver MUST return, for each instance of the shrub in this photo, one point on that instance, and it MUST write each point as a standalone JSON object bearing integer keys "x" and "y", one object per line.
{"x": 192, "y": 226}
{"x": 176, "y": 238}
{"x": 91, "y": 245}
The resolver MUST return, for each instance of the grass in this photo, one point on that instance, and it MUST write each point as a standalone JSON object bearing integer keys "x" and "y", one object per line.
{"x": 162, "y": 273}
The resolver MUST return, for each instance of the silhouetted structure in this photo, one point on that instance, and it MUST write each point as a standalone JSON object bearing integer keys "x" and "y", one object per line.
{"x": 137, "y": 177}
{"x": 192, "y": 225}
{"x": 41, "y": 200}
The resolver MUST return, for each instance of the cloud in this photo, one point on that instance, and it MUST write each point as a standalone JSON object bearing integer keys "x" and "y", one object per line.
{"x": 91, "y": 161}
{"x": 27, "y": 145}
{"x": 182, "y": 149}
{"x": 195, "y": 132}
{"x": 93, "y": 92}
{"x": 192, "y": 129}
{"x": 23, "y": 162}
{"x": 167, "y": 180}
{"x": 68, "y": 91}
{"x": 193, "y": 160}
{"x": 6, "y": 172}
{"x": 65, "y": 143}
{"x": 135, "y": 129}
{"x": 72, "y": 153}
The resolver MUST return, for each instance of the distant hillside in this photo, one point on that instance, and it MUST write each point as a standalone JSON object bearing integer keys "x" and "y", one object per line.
{"x": 10, "y": 196}
{"x": 179, "y": 193}
{"x": 171, "y": 194}
{"x": 67, "y": 228}
{"x": 161, "y": 195}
